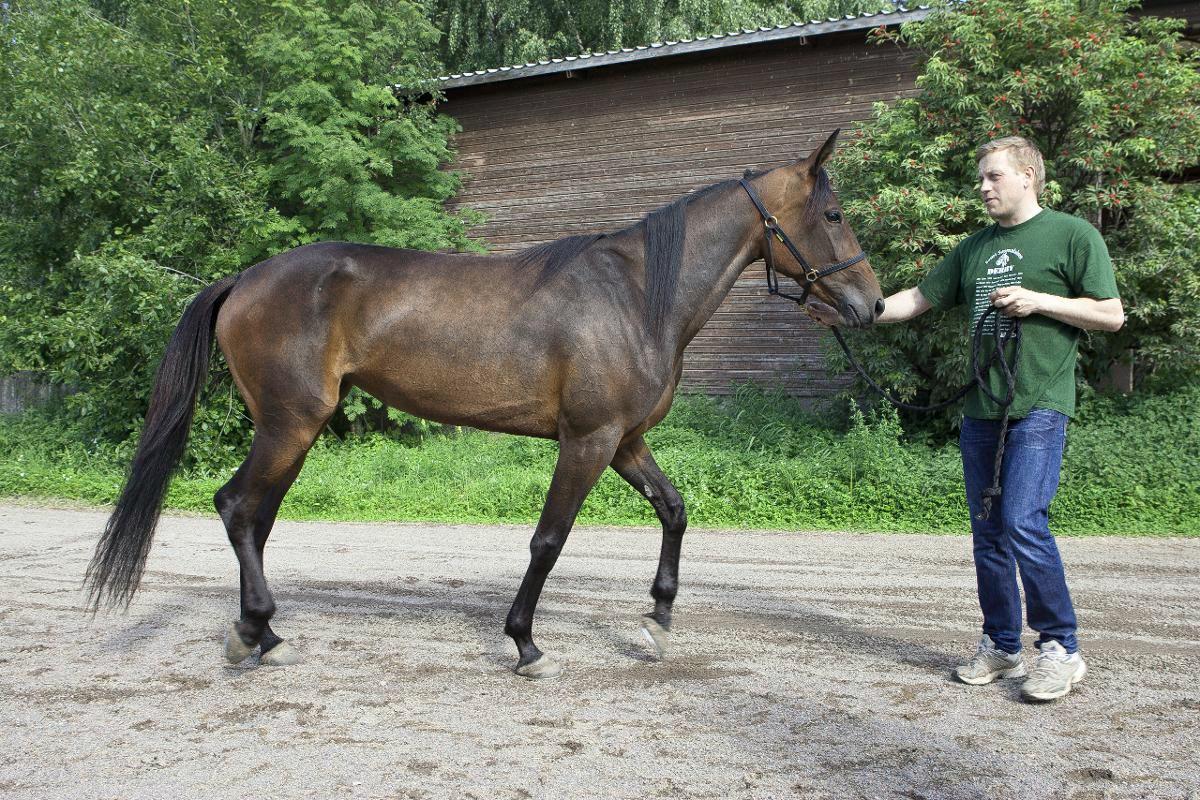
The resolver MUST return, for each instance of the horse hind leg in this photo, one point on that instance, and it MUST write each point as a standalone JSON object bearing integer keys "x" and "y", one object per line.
{"x": 636, "y": 465}
{"x": 248, "y": 504}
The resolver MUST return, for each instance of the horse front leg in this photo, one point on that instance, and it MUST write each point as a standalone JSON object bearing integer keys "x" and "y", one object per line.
{"x": 636, "y": 465}
{"x": 581, "y": 460}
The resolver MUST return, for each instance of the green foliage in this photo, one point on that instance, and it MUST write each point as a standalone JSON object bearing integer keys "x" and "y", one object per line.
{"x": 147, "y": 148}
{"x": 363, "y": 413}
{"x": 496, "y": 33}
{"x": 349, "y": 159}
{"x": 757, "y": 460}
{"x": 1113, "y": 104}
{"x": 1156, "y": 258}
{"x": 1129, "y": 458}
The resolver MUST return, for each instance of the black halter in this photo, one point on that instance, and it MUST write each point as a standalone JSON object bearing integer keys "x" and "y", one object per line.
{"x": 811, "y": 274}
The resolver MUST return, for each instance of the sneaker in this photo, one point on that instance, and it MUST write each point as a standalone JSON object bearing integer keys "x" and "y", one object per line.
{"x": 1054, "y": 673}
{"x": 989, "y": 664}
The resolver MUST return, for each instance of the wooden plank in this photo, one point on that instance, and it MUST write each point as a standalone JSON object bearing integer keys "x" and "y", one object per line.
{"x": 763, "y": 121}
{"x": 676, "y": 111}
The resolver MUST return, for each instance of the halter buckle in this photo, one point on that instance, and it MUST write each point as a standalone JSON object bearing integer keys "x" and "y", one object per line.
{"x": 772, "y": 226}
{"x": 811, "y": 276}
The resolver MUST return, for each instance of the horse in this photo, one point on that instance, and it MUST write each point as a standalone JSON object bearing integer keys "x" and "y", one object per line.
{"x": 580, "y": 340}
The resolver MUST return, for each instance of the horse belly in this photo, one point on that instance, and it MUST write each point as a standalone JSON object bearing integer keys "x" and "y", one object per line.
{"x": 464, "y": 387}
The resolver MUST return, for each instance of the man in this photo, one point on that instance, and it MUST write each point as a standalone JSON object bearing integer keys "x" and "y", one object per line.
{"x": 1052, "y": 270}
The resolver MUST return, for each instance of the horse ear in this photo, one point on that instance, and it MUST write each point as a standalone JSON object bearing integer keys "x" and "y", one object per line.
{"x": 818, "y": 159}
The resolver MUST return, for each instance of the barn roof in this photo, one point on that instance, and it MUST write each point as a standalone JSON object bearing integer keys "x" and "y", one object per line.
{"x": 795, "y": 30}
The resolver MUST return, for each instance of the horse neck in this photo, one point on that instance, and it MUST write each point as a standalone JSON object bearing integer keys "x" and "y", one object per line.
{"x": 723, "y": 233}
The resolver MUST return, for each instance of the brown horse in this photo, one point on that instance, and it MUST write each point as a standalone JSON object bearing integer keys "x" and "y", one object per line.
{"x": 580, "y": 340}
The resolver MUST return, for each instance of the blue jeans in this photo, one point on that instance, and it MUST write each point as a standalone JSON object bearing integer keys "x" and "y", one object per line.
{"x": 1017, "y": 536}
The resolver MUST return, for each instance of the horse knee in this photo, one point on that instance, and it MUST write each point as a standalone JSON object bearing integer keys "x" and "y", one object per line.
{"x": 675, "y": 518}
{"x": 544, "y": 551}
{"x": 672, "y": 514}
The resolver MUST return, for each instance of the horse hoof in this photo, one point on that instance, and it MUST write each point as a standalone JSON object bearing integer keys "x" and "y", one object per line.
{"x": 656, "y": 636}
{"x": 236, "y": 651}
{"x": 281, "y": 655}
{"x": 541, "y": 669}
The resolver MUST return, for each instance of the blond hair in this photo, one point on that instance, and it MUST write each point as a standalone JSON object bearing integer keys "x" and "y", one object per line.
{"x": 1023, "y": 152}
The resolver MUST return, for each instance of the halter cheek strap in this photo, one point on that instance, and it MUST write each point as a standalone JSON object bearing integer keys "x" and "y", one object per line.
{"x": 773, "y": 231}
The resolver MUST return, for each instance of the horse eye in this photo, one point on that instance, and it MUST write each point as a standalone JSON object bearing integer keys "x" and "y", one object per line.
{"x": 833, "y": 216}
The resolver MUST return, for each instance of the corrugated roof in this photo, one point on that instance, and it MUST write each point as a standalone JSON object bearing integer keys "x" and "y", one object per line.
{"x": 795, "y": 30}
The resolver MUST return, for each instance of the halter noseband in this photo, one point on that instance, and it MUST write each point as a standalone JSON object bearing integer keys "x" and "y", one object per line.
{"x": 811, "y": 274}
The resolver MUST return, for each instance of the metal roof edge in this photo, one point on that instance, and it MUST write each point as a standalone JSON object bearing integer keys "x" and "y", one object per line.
{"x": 796, "y": 30}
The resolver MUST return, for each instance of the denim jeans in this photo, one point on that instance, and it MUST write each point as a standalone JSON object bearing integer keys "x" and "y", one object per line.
{"x": 1017, "y": 536}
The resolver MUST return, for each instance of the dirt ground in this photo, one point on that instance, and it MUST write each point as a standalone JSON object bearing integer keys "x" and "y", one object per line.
{"x": 802, "y": 665}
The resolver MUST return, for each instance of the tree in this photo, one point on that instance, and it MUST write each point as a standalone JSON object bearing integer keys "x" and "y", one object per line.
{"x": 350, "y": 159}
{"x": 495, "y": 33}
{"x": 1114, "y": 104}
{"x": 150, "y": 147}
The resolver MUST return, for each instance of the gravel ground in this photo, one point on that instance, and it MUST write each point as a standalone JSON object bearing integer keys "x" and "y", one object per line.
{"x": 801, "y": 665}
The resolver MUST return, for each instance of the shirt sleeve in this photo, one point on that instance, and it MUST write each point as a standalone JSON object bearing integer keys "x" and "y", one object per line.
{"x": 1093, "y": 270}
{"x": 941, "y": 287}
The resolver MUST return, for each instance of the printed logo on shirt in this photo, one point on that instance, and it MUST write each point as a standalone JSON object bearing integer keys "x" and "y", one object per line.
{"x": 1000, "y": 270}
{"x": 1003, "y": 261}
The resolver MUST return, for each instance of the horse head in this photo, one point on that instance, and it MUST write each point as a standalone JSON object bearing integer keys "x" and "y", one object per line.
{"x": 813, "y": 243}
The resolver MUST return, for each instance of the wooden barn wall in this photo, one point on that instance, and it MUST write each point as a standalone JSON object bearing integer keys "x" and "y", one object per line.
{"x": 549, "y": 157}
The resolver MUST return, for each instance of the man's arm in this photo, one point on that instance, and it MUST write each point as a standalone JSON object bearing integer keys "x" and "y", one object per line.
{"x": 1082, "y": 312}
{"x": 903, "y": 306}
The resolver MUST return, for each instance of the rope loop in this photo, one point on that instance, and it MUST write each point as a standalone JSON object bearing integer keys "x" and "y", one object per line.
{"x": 980, "y": 366}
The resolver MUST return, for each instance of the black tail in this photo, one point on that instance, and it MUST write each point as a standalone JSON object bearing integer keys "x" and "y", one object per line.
{"x": 116, "y": 568}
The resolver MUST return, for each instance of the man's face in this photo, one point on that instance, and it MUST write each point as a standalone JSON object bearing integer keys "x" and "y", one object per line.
{"x": 1002, "y": 186}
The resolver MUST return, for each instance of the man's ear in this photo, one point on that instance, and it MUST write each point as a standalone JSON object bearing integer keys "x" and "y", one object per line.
{"x": 818, "y": 159}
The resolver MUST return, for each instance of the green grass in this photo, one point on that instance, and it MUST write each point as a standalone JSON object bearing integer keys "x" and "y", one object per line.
{"x": 756, "y": 461}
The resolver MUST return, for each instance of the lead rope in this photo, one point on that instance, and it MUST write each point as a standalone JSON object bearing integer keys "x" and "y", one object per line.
{"x": 1007, "y": 367}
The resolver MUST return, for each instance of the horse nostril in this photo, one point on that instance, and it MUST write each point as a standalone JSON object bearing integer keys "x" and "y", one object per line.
{"x": 879, "y": 308}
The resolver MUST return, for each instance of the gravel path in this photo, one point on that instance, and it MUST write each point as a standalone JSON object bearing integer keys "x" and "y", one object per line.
{"x": 802, "y": 665}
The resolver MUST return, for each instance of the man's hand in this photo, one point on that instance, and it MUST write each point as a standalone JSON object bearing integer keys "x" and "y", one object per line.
{"x": 1017, "y": 301}
{"x": 1082, "y": 312}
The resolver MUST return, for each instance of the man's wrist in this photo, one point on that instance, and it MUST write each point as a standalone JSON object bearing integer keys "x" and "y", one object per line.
{"x": 1043, "y": 303}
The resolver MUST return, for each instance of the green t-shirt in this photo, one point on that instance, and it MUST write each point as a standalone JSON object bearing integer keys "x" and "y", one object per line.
{"x": 1053, "y": 253}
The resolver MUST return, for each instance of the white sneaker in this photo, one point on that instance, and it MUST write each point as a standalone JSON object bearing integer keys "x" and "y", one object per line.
{"x": 989, "y": 663}
{"x": 1054, "y": 673}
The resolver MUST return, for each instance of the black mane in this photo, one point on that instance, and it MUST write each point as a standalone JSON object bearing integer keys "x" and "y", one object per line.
{"x": 553, "y": 256}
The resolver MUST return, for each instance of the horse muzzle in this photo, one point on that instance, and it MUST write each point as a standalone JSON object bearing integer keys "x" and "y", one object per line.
{"x": 849, "y": 314}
